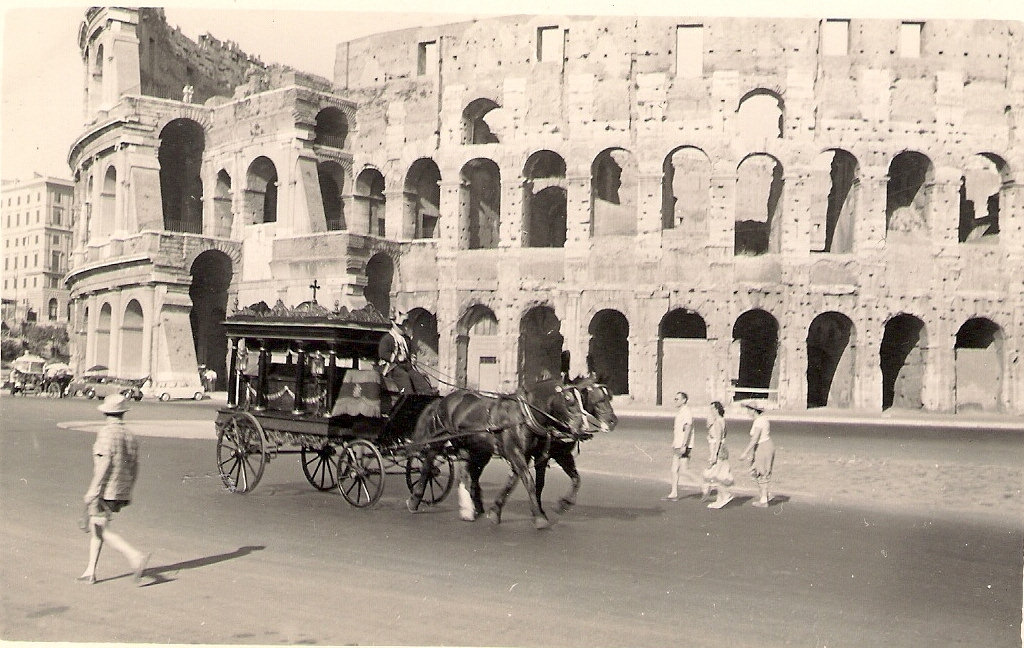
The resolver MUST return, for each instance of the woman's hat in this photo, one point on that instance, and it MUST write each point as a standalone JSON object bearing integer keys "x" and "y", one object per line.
{"x": 114, "y": 404}
{"x": 756, "y": 404}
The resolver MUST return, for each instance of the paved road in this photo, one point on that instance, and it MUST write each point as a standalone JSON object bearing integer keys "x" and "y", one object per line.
{"x": 286, "y": 564}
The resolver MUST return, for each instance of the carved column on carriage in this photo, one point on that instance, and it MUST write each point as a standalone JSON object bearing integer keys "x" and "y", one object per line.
{"x": 332, "y": 379}
{"x": 299, "y": 407}
{"x": 233, "y": 372}
{"x": 261, "y": 379}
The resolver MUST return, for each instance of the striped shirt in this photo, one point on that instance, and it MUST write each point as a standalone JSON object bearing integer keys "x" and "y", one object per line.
{"x": 115, "y": 462}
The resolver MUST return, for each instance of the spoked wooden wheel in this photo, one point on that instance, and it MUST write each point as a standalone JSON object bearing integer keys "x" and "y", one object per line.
{"x": 439, "y": 483}
{"x": 318, "y": 466}
{"x": 360, "y": 473}
{"x": 53, "y": 390}
{"x": 241, "y": 455}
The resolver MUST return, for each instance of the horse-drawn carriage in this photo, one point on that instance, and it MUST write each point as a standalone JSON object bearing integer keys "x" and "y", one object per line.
{"x": 305, "y": 381}
{"x": 27, "y": 375}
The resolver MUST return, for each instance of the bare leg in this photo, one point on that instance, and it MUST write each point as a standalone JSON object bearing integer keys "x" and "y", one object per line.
{"x": 674, "y": 476}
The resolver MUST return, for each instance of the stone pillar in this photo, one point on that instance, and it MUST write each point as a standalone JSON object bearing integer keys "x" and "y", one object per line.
{"x": 513, "y": 212}
{"x": 870, "y": 227}
{"x": 648, "y": 217}
{"x": 944, "y": 208}
{"x": 868, "y": 391}
{"x": 939, "y": 384}
{"x": 791, "y": 367}
{"x": 398, "y": 223}
{"x": 453, "y": 234}
{"x": 798, "y": 199}
{"x": 577, "y": 217}
{"x": 722, "y": 212}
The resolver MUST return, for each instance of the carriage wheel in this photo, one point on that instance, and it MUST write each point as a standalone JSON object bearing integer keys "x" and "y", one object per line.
{"x": 442, "y": 477}
{"x": 360, "y": 473}
{"x": 53, "y": 390}
{"x": 318, "y": 467}
{"x": 241, "y": 455}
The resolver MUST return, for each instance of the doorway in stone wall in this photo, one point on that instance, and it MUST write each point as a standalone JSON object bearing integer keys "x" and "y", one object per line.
{"x": 540, "y": 345}
{"x": 830, "y": 361}
{"x": 211, "y": 276}
{"x": 422, "y": 327}
{"x": 903, "y": 359}
{"x": 608, "y": 352}
{"x": 684, "y": 356}
{"x": 379, "y": 272}
{"x": 478, "y": 348}
{"x": 978, "y": 355}
{"x": 755, "y": 348}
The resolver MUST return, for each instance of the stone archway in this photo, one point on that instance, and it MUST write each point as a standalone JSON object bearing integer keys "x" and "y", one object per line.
{"x": 211, "y": 275}
{"x": 684, "y": 356}
{"x": 182, "y": 142}
{"x": 540, "y": 345}
{"x": 831, "y": 347}
{"x": 380, "y": 271}
{"x": 978, "y": 355}
{"x": 478, "y": 349}
{"x": 755, "y": 348}
{"x": 608, "y": 351}
{"x": 132, "y": 337}
{"x": 903, "y": 359}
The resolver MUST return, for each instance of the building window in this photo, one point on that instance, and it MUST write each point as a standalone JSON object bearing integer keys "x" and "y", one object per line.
{"x": 55, "y": 262}
{"x": 910, "y": 39}
{"x": 550, "y": 44}
{"x": 427, "y": 58}
{"x": 689, "y": 51}
{"x": 52, "y": 310}
{"x": 835, "y": 37}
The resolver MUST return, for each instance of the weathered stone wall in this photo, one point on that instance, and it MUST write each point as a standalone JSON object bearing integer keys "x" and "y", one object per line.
{"x": 616, "y": 87}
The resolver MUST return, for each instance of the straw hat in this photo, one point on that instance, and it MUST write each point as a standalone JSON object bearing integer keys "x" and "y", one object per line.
{"x": 114, "y": 404}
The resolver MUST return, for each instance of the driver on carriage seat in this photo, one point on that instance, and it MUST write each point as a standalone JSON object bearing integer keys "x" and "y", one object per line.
{"x": 395, "y": 354}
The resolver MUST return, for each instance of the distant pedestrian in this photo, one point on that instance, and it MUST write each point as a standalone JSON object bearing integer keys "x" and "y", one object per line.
{"x": 761, "y": 451}
{"x": 718, "y": 475}
{"x": 209, "y": 379}
{"x": 682, "y": 443}
{"x": 115, "y": 467}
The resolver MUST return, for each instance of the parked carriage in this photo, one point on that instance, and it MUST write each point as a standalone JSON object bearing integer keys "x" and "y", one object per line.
{"x": 27, "y": 374}
{"x": 305, "y": 381}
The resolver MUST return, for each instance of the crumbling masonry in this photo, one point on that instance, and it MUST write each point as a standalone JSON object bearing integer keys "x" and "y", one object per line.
{"x": 825, "y": 212}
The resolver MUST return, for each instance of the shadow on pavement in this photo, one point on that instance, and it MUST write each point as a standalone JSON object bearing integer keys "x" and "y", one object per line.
{"x": 156, "y": 573}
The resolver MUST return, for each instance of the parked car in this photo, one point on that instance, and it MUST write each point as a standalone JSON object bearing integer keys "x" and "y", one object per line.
{"x": 177, "y": 392}
{"x": 101, "y": 386}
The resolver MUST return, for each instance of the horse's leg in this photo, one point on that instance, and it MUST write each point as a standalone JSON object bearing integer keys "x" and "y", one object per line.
{"x": 413, "y": 503}
{"x": 475, "y": 467}
{"x": 466, "y": 511}
{"x": 540, "y": 468}
{"x": 494, "y": 513}
{"x": 522, "y": 468}
{"x": 568, "y": 464}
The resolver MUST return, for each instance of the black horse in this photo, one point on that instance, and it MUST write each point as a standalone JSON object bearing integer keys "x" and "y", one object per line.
{"x": 596, "y": 403}
{"x": 480, "y": 426}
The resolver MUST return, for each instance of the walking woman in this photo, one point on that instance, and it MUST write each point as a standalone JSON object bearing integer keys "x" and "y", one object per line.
{"x": 761, "y": 451}
{"x": 718, "y": 475}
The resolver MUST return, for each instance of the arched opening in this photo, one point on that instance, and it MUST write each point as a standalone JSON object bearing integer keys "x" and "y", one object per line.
{"x": 684, "y": 356}
{"x": 380, "y": 271}
{"x": 222, "y": 204}
{"x": 423, "y": 198}
{"x": 103, "y": 326}
{"x": 980, "y": 189}
{"x": 52, "y": 309}
{"x": 907, "y": 197}
{"x": 759, "y": 186}
{"x": 613, "y": 193}
{"x": 902, "y": 359}
{"x": 331, "y": 128}
{"x": 131, "y": 341}
{"x": 332, "y": 185}
{"x": 608, "y": 351}
{"x": 544, "y": 200}
{"x": 759, "y": 116}
{"x": 686, "y": 190}
{"x": 108, "y": 202}
{"x": 477, "y": 349}
{"x": 480, "y": 205}
{"x": 182, "y": 142}
{"x": 540, "y": 345}
{"x": 211, "y": 275}
{"x": 830, "y": 360}
{"x": 261, "y": 191}
{"x": 840, "y": 216}
{"x": 370, "y": 201}
{"x": 475, "y": 129}
{"x": 978, "y": 355}
{"x": 755, "y": 346}
{"x": 422, "y": 327}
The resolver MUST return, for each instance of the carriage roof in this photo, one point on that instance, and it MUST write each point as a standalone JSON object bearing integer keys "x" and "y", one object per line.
{"x": 358, "y": 330}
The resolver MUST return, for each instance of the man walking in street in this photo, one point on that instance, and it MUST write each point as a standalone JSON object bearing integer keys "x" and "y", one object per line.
{"x": 115, "y": 459}
{"x": 682, "y": 443}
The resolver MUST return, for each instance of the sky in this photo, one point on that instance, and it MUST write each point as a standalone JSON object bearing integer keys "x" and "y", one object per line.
{"x": 42, "y": 74}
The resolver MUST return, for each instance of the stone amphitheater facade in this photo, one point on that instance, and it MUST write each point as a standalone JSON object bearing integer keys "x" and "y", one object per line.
{"x": 823, "y": 212}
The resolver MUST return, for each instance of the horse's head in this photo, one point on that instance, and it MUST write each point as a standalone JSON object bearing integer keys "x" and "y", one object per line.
{"x": 596, "y": 401}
